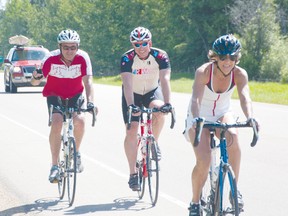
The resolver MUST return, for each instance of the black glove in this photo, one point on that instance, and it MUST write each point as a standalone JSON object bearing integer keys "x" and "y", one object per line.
{"x": 166, "y": 108}
{"x": 90, "y": 106}
{"x": 39, "y": 71}
{"x": 134, "y": 108}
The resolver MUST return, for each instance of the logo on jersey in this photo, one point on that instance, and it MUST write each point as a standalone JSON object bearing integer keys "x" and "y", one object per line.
{"x": 61, "y": 71}
{"x": 140, "y": 71}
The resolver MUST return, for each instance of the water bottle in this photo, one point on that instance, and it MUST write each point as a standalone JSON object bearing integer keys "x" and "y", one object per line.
{"x": 214, "y": 169}
{"x": 143, "y": 146}
{"x": 215, "y": 176}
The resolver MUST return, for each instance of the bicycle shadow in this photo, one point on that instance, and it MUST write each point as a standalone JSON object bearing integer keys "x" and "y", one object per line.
{"x": 39, "y": 206}
{"x": 55, "y": 205}
{"x": 119, "y": 204}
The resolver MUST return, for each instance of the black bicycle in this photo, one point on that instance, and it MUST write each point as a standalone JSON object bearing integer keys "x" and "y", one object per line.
{"x": 147, "y": 158}
{"x": 68, "y": 159}
{"x": 219, "y": 195}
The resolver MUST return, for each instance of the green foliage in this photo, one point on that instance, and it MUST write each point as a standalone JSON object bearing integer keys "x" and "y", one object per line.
{"x": 185, "y": 29}
{"x": 284, "y": 73}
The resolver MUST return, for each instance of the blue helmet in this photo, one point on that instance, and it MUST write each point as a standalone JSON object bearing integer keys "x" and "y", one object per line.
{"x": 226, "y": 45}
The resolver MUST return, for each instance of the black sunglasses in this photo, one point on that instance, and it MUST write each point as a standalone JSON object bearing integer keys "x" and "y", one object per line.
{"x": 224, "y": 57}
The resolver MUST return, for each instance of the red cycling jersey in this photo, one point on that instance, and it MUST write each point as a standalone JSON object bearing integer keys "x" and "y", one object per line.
{"x": 62, "y": 80}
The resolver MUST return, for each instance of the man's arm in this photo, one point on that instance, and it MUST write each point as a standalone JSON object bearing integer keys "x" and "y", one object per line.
{"x": 164, "y": 76}
{"x": 88, "y": 84}
{"x": 127, "y": 87}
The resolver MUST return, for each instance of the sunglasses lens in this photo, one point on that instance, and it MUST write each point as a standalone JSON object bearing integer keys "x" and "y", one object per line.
{"x": 233, "y": 57}
{"x": 222, "y": 57}
{"x": 138, "y": 45}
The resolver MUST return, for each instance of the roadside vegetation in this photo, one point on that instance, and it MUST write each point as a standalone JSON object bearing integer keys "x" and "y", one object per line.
{"x": 266, "y": 92}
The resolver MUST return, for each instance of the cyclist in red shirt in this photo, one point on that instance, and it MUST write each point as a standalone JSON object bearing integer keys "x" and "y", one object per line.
{"x": 66, "y": 71}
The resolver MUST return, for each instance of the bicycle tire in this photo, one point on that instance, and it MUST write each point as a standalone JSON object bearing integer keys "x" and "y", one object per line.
{"x": 207, "y": 198}
{"x": 141, "y": 170}
{"x": 62, "y": 182}
{"x": 224, "y": 202}
{"x": 71, "y": 162}
{"x": 153, "y": 170}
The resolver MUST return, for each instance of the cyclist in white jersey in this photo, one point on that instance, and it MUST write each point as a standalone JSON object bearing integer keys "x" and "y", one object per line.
{"x": 143, "y": 69}
{"x": 212, "y": 90}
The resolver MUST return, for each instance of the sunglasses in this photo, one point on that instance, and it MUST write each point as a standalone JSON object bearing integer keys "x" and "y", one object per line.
{"x": 231, "y": 57}
{"x": 138, "y": 45}
{"x": 69, "y": 47}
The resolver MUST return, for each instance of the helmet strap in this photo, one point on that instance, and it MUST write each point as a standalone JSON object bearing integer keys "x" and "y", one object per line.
{"x": 225, "y": 75}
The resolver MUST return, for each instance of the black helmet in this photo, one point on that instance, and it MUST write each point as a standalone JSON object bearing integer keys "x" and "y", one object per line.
{"x": 226, "y": 45}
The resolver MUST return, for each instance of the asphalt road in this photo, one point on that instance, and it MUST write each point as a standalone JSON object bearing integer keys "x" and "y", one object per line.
{"x": 102, "y": 188}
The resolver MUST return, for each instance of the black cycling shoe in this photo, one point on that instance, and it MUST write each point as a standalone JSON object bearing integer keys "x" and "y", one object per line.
{"x": 134, "y": 182}
{"x": 194, "y": 209}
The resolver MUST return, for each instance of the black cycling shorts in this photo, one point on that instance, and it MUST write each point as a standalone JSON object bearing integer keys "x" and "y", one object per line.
{"x": 74, "y": 102}
{"x": 140, "y": 100}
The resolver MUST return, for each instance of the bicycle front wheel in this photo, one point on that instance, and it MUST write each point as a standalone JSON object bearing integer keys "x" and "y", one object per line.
{"x": 152, "y": 170}
{"x": 71, "y": 161}
{"x": 62, "y": 182}
{"x": 226, "y": 193}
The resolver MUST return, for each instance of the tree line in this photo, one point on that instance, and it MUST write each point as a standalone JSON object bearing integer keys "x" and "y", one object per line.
{"x": 185, "y": 29}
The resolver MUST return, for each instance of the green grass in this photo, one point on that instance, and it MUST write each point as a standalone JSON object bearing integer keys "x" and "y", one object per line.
{"x": 266, "y": 92}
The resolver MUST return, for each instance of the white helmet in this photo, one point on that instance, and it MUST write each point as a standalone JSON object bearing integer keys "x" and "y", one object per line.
{"x": 68, "y": 36}
{"x": 140, "y": 34}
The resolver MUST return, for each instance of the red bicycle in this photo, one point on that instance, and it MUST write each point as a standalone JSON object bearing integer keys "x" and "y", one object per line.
{"x": 147, "y": 158}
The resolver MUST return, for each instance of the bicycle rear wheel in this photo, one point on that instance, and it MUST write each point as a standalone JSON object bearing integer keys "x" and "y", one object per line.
{"x": 153, "y": 170}
{"x": 71, "y": 161}
{"x": 62, "y": 182}
{"x": 226, "y": 193}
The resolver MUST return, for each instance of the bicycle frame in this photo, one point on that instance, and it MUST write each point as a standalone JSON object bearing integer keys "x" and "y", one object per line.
{"x": 216, "y": 200}
{"x": 68, "y": 158}
{"x": 145, "y": 134}
{"x": 147, "y": 163}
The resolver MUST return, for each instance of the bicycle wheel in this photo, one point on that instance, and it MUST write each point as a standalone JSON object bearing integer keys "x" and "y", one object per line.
{"x": 62, "y": 182}
{"x": 207, "y": 198}
{"x": 153, "y": 170}
{"x": 71, "y": 160}
{"x": 141, "y": 169}
{"x": 226, "y": 193}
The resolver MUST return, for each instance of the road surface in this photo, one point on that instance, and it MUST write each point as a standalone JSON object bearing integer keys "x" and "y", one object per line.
{"x": 102, "y": 188}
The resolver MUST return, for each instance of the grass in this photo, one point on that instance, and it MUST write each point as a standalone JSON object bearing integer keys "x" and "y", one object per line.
{"x": 266, "y": 92}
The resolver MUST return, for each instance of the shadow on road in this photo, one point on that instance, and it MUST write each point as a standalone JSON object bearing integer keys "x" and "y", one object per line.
{"x": 120, "y": 204}
{"x": 39, "y": 206}
{"x": 50, "y": 205}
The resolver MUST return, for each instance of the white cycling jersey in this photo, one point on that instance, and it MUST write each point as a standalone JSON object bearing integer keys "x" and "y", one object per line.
{"x": 145, "y": 72}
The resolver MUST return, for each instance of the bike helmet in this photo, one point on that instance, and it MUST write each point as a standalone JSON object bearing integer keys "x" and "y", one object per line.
{"x": 226, "y": 45}
{"x": 140, "y": 34}
{"x": 68, "y": 36}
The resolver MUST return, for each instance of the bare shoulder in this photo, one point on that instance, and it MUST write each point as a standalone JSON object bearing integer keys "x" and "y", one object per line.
{"x": 203, "y": 72}
{"x": 240, "y": 73}
{"x": 203, "y": 69}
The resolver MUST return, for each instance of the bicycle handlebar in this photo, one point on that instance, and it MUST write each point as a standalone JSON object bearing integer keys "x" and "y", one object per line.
{"x": 149, "y": 111}
{"x": 202, "y": 123}
{"x": 63, "y": 110}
